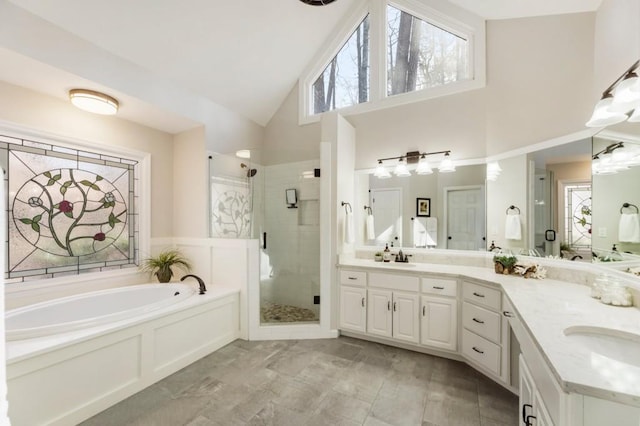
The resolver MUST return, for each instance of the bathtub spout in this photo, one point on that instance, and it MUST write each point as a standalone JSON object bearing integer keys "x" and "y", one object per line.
{"x": 203, "y": 289}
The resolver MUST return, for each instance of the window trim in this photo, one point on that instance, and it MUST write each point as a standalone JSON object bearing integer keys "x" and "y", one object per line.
{"x": 450, "y": 18}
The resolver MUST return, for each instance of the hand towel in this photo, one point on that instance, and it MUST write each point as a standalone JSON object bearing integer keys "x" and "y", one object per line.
{"x": 348, "y": 228}
{"x": 371, "y": 230}
{"x": 425, "y": 232}
{"x": 512, "y": 227}
{"x": 629, "y": 228}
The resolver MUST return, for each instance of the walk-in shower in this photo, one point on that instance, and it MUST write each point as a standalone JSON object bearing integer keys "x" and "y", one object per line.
{"x": 249, "y": 200}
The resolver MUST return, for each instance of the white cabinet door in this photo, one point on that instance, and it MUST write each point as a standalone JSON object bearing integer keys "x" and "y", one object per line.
{"x": 406, "y": 307}
{"x": 527, "y": 390}
{"x": 353, "y": 311}
{"x": 379, "y": 312}
{"x": 542, "y": 414}
{"x": 439, "y": 322}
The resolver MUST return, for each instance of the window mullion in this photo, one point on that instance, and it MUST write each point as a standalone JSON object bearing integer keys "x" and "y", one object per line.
{"x": 377, "y": 49}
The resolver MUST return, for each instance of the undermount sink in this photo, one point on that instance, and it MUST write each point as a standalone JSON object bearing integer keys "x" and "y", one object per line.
{"x": 618, "y": 345}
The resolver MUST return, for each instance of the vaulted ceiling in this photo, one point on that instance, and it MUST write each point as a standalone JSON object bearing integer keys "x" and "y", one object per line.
{"x": 245, "y": 55}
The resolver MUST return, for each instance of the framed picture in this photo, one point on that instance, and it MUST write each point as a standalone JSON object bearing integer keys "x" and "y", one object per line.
{"x": 423, "y": 207}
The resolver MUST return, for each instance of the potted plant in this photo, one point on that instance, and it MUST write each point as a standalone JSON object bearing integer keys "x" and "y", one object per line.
{"x": 161, "y": 264}
{"x": 378, "y": 256}
{"x": 504, "y": 264}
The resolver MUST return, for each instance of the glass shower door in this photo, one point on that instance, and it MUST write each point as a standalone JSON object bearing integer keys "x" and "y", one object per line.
{"x": 289, "y": 233}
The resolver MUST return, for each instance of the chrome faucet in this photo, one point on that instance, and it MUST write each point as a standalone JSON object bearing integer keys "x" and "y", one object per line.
{"x": 493, "y": 246}
{"x": 203, "y": 289}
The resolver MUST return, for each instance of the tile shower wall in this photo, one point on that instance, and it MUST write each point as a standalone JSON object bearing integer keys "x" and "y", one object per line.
{"x": 290, "y": 270}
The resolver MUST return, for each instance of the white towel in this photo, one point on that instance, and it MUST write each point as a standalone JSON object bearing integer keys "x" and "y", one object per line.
{"x": 629, "y": 228}
{"x": 348, "y": 228}
{"x": 512, "y": 227}
{"x": 371, "y": 230}
{"x": 425, "y": 232}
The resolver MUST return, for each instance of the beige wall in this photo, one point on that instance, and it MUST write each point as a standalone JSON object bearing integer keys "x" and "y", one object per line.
{"x": 190, "y": 185}
{"x": 539, "y": 85}
{"x": 617, "y": 42}
{"x": 50, "y": 115}
{"x": 539, "y": 79}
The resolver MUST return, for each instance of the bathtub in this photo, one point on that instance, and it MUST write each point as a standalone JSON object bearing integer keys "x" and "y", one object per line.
{"x": 91, "y": 309}
{"x": 70, "y": 358}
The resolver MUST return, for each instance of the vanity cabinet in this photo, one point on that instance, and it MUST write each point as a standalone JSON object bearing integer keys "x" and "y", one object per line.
{"x": 353, "y": 300}
{"x": 533, "y": 411}
{"x": 482, "y": 338}
{"x": 439, "y": 313}
{"x": 393, "y": 314}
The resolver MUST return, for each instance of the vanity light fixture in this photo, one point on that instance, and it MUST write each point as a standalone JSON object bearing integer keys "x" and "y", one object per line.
{"x": 412, "y": 157}
{"x": 620, "y": 101}
{"x": 92, "y": 101}
{"x": 614, "y": 158}
{"x": 317, "y": 2}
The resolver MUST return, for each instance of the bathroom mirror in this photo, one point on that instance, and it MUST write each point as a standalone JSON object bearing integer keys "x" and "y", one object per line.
{"x": 616, "y": 192}
{"x": 385, "y": 210}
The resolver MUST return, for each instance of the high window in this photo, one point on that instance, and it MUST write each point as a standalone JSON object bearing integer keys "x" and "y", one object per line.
{"x": 393, "y": 52}
{"x": 345, "y": 81}
{"x": 421, "y": 55}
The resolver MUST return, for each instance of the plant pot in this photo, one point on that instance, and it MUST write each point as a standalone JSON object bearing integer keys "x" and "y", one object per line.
{"x": 164, "y": 274}
{"x": 378, "y": 258}
{"x": 501, "y": 269}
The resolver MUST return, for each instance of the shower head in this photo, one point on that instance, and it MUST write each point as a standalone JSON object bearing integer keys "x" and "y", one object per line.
{"x": 251, "y": 172}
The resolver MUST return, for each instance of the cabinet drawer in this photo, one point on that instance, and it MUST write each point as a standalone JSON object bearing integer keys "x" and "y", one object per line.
{"x": 481, "y": 351}
{"x": 348, "y": 277}
{"x": 439, "y": 286}
{"x": 481, "y": 321}
{"x": 394, "y": 282}
{"x": 481, "y": 295}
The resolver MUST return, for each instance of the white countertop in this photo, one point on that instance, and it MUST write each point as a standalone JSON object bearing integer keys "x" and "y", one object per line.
{"x": 546, "y": 308}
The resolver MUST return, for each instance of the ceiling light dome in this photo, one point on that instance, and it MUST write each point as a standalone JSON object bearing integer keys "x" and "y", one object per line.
{"x": 92, "y": 101}
{"x": 603, "y": 116}
{"x": 317, "y": 2}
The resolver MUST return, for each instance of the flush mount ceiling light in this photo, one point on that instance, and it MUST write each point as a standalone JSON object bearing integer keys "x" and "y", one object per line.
{"x": 317, "y": 2}
{"x": 92, "y": 101}
{"x": 243, "y": 153}
{"x": 413, "y": 157}
{"x": 619, "y": 101}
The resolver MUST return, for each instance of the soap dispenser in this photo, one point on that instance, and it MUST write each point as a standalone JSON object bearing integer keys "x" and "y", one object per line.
{"x": 386, "y": 254}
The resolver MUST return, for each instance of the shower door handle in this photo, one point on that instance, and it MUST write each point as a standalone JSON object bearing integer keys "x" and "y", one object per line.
{"x": 264, "y": 240}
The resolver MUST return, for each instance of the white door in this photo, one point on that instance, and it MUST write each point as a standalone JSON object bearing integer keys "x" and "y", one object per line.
{"x": 465, "y": 218}
{"x": 353, "y": 311}
{"x": 379, "y": 312}
{"x": 386, "y": 206}
{"x": 406, "y": 317}
{"x": 439, "y": 322}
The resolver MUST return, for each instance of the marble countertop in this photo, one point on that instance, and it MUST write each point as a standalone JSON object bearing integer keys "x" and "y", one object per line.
{"x": 546, "y": 308}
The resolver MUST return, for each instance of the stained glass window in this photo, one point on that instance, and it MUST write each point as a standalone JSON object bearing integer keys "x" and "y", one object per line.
{"x": 69, "y": 210}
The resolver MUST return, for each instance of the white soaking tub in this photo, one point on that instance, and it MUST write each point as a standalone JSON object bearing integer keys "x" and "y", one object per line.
{"x": 70, "y": 358}
{"x": 91, "y": 309}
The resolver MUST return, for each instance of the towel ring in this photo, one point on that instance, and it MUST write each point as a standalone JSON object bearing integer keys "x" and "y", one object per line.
{"x": 512, "y": 207}
{"x": 347, "y": 207}
{"x": 369, "y": 211}
{"x": 628, "y": 206}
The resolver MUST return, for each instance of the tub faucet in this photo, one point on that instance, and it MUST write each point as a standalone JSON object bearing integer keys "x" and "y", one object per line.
{"x": 493, "y": 246}
{"x": 203, "y": 289}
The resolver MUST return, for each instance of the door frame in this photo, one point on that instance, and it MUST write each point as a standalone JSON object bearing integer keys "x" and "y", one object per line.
{"x": 400, "y": 205}
{"x": 445, "y": 225}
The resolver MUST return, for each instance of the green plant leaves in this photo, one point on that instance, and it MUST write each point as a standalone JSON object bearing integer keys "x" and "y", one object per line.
{"x": 90, "y": 185}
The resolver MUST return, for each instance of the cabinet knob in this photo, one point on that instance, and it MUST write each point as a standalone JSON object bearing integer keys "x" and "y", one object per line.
{"x": 363, "y": 302}
{"x": 388, "y": 305}
{"x": 394, "y": 306}
{"x": 424, "y": 311}
{"x": 507, "y": 314}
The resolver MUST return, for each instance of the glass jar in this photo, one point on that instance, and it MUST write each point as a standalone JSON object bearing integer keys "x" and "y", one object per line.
{"x": 616, "y": 294}
{"x": 599, "y": 285}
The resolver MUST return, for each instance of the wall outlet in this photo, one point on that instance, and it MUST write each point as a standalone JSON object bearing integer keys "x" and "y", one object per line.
{"x": 602, "y": 232}
{"x": 316, "y": 300}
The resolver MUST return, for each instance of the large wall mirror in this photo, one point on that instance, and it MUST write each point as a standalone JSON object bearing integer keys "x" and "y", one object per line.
{"x": 439, "y": 210}
{"x": 616, "y": 192}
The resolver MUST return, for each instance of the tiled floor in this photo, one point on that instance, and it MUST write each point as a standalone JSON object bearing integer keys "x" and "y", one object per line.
{"x": 341, "y": 381}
